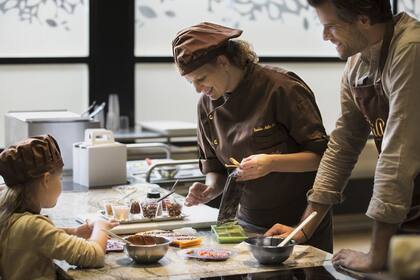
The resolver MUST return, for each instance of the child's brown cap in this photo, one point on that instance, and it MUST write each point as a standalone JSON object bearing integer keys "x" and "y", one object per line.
{"x": 29, "y": 159}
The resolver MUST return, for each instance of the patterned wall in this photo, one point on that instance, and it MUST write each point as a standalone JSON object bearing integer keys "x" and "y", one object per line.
{"x": 274, "y": 27}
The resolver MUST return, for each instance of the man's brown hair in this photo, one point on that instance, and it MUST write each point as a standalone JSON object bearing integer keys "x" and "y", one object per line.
{"x": 378, "y": 11}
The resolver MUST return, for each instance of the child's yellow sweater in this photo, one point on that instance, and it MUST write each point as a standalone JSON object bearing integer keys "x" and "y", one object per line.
{"x": 31, "y": 243}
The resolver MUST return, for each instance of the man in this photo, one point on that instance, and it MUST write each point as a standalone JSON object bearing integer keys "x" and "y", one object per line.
{"x": 380, "y": 93}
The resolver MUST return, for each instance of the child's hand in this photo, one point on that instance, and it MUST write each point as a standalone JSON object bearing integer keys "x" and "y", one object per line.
{"x": 99, "y": 235}
{"x": 85, "y": 230}
{"x": 102, "y": 224}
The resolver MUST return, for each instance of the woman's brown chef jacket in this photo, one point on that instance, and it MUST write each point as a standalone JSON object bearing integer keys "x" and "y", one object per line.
{"x": 270, "y": 111}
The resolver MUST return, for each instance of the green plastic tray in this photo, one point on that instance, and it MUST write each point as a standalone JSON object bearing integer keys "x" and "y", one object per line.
{"x": 229, "y": 233}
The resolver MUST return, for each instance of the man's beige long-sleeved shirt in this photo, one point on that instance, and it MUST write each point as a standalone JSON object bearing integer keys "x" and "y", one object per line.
{"x": 399, "y": 162}
{"x": 31, "y": 243}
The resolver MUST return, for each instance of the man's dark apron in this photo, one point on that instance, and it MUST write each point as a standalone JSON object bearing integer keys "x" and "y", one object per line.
{"x": 373, "y": 103}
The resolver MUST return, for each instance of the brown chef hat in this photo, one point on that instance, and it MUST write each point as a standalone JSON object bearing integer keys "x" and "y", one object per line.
{"x": 196, "y": 45}
{"x": 29, "y": 159}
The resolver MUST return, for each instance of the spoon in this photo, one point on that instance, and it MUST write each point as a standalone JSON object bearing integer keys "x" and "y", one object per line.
{"x": 127, "y": 195}
{"x": 171, "y": 192}
{"x": 97, "y": 110}
{"x": 111, "y": 234}
{"x": 86, "y": 112}
{"x": 234, "y": 161}
{"x": 297, "y": 229}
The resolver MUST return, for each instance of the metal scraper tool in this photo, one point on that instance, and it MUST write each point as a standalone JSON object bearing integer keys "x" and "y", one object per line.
{"x": 230, "y": 200}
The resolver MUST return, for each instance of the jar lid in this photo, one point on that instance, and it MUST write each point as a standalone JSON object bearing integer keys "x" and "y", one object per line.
{"x": 153, "y": 195}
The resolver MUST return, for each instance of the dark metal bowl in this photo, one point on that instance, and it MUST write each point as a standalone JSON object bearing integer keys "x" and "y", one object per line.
{"x": 265, "y": 249}
{"x": 148, "y": 253}
{"x": 167, "y": 172}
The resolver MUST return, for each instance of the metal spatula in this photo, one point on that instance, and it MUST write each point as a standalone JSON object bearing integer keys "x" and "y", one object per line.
{"x": 297, "y": 229}
{"x": 110, "y": 233}
{"x": 230, "y": 200}
{"x": 170, "y": 192}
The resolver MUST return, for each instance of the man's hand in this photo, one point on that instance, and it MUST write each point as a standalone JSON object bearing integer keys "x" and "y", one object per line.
{"x": 254, "y": 167}
{"x": 359, "y": 261}
{"x": 199, "y": 193}
{"x": 282, "y": 231}
{"x": 376, "y": 258}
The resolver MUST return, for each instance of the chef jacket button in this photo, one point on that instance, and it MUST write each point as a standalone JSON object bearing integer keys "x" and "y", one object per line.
{"x": 211, "y": 116}
{"x": 215, "y": 142}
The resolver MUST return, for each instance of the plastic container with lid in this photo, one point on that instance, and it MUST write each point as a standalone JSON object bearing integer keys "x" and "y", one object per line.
{"x": 150, "y": 207}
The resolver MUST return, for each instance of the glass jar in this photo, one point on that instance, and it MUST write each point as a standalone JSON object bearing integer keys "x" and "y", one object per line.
{"x": 174, "y": 207}
{"x": 121, "y": 211}
{"x": 150, "y": 206}
{"x": 164, "y": 204}
{"x": 107, "y": 206}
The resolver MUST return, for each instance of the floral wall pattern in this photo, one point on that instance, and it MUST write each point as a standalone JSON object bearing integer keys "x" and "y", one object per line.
{"x": 261, "y": 20}
{"x": 245, "y": 9}
{"x": 52, "y": 13}
{"x": 412, "y": 7}
{"x": 44, "y": 28}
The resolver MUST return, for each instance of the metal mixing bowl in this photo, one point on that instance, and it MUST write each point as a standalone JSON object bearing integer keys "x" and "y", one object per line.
{"x": 265, "y": 249}
{"x": 148, "y": 253}
{"x": 167, "y": 172}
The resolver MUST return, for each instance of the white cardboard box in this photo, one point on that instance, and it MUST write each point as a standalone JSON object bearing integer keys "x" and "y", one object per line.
{"x": 99, "y": 161}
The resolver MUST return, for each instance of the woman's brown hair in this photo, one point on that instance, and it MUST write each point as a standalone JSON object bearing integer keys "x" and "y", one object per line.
{"x": 240, "y": 53}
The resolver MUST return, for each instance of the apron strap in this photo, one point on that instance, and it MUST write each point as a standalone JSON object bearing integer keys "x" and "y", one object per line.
{"x": 389, "y": 32}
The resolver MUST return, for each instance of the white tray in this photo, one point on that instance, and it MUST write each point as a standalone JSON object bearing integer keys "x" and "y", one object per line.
{"x": 82, "y": 219}
{"x": 146, "y": 220}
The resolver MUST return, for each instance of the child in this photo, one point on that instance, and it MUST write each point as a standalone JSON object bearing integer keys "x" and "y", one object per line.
{"x": 29, "y": 241}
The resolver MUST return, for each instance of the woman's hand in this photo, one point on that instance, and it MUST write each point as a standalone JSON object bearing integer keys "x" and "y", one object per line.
{"x": 199, "y": 193}
{"x": 254, "y": 167}
{"x": 282, "y": 231}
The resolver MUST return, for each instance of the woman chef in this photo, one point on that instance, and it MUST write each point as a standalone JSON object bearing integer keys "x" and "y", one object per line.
{"x": 266, "y": 117}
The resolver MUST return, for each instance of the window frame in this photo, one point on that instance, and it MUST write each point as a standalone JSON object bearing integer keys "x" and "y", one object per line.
{"x": 111, "y": 54}
{"x": 111, "y": 61}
